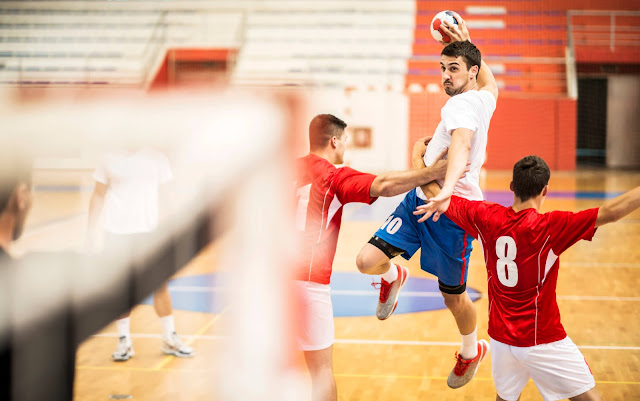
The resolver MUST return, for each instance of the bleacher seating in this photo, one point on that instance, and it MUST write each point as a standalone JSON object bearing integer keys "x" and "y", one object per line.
{"x": 351, "y": 43}
{"x": 101, "y": 42}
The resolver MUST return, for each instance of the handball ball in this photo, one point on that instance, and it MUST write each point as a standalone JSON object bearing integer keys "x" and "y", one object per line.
{"x": 436, "y": 29}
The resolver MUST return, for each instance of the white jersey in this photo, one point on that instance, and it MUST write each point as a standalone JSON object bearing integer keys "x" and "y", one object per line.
{"x": 472, "y": 110}
{"x": 133, "y": 180}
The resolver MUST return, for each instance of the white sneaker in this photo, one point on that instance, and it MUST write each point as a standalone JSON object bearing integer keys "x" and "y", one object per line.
{"x": 175, "y": 346}
{"x": 124, "y": 350}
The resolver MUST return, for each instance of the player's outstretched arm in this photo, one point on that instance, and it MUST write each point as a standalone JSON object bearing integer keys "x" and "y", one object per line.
{"x": 617, "y": 208}
{"x": 398, "y": 182}
{"x": 457, "y": 33}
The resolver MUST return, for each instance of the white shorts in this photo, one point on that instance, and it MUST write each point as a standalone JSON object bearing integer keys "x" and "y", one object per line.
{"x": 317, "y": 330}
{"x": 558, "y": 370}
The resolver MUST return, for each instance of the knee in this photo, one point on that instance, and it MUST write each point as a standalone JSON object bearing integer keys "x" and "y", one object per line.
{"x": 362, "y": 262}
{"x": 366, "y": 264}
{"x": 455, "y": 302}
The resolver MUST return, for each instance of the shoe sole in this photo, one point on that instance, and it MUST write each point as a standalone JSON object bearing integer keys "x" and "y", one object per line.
{"x": 122, "y": 359}
{"x": 178, "y": 354}
{"x": 395, "y": 304}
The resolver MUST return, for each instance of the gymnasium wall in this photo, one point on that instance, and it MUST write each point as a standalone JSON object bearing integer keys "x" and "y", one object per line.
{"x": 519, "y": 127}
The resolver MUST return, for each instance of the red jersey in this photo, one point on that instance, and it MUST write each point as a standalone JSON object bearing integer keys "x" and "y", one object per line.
{"x": 521, "y": 253}
{"x": 321, "y": 191}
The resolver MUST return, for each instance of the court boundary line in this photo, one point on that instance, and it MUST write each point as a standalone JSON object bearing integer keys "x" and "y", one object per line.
{"x": 194, "y": 337}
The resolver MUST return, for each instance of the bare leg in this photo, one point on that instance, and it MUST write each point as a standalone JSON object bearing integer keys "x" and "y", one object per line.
{"x": 591, "y": 395}
{"x": 323, "y": 384}
{"x": 463, "y": 310}
{"x": 371, "y": 260}
{"x": 162, "y": 301}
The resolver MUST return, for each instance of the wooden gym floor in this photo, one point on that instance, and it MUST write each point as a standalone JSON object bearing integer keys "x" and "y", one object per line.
{"x": 404, "y": 358}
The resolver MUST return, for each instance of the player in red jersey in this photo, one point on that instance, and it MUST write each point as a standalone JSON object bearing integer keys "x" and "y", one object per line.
{"x": 322, "y": 190}
{"x": 521, "y": 249}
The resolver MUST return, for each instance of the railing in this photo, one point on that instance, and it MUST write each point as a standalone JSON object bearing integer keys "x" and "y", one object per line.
{"x": 598, "y": 28}
{"x": 606, "y": 31}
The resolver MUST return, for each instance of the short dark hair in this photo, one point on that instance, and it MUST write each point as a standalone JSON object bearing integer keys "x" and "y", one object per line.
{"x": 322, "y": 128}
{"x": 530, "y": 175}
{"x": 469, "y": 52}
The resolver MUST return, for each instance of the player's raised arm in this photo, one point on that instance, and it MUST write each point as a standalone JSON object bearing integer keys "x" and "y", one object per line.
{"x": 616, "y": 208}
{"x": 457, "y": 33}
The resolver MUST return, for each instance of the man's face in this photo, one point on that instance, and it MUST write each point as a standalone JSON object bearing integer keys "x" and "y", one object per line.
{"x": 23, "y": 205}
{"x": 456, "y": 77}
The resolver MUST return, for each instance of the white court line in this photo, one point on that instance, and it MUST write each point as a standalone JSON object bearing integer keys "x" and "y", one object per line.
{"x": 361, "y": 341}
{"x": 599, "y": 265}
{"x": 405, "y": 294}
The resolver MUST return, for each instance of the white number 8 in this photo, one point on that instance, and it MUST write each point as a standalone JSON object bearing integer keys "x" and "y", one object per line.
{"x": 506, "y": 267}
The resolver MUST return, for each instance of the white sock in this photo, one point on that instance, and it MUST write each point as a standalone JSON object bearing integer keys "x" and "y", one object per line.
{"x": 391, "y": 275}
{"x": 469, "y": 349}
{"x": 123, "y": 328}
{"x": 168, "y": 326}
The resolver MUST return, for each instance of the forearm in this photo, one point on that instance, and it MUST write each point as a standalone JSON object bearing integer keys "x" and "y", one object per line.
{"x": 617, "y": 208}
{"x": 398, "y": 182}
{"x": 96, "y": 205}
{"x": 430, "y": 189}
{"x": 458, "y": 156}
{"x": 486, "y": 80}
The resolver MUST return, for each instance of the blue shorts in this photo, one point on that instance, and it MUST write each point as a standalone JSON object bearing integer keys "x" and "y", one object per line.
{"x": 445, "y": 246}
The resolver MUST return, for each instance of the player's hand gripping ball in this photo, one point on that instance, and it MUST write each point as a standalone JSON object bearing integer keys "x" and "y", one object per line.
{"x": 436, "y": 25}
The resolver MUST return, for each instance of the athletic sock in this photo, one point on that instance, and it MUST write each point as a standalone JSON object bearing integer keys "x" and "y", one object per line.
{"x": 469, "y": 349}
{"x": 168, "y": 326}
{"x": 391, "y": 275}
{"x": 123, "y": 328}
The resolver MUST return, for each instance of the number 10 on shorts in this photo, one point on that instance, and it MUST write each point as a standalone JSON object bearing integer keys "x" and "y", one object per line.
{"x": 392, "y": 224}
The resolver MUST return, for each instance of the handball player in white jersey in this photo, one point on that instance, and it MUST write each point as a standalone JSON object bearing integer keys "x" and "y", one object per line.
{"x": 445, "y": 247}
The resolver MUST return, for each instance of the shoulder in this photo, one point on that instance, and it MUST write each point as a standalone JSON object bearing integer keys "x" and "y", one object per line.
{"x": 347, "y": 172}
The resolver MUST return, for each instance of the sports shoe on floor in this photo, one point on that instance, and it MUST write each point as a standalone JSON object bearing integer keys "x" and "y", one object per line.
{"x": 389, "y": 293}
{"x": 175, "y": 346}
{"x": 465, "y": 369}
{"x": 124, "y": 350}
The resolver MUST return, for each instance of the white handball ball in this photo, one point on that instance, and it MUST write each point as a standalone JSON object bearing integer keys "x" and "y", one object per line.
{"x": 436, "y": 29}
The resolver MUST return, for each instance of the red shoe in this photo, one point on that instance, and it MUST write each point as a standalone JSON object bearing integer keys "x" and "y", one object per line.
{"x": 389, "y": 293}
{"x": 465, "y": 369}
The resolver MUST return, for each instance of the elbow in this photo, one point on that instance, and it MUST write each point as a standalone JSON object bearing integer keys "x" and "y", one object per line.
{"x": 381, "y": 187}
{"x": 606, "y": 216}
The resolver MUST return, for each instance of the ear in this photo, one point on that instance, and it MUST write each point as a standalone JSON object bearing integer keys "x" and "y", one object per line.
{"x": 474, "y": 70}
{"x": 334, "y": 141}
{"x": 545, "y": 190}
{"x": 511, "y": 186}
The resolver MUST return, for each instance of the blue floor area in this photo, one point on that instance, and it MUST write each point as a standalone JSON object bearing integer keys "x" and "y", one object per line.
{"x": 351, "y": 294}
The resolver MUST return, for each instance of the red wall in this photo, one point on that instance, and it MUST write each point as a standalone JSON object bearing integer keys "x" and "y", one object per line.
{"x": 519, "y": 127}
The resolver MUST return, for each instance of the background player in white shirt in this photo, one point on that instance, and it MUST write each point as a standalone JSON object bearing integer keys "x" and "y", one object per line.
{"x": 445, "y": 246}
{"x": 127, "y": 189}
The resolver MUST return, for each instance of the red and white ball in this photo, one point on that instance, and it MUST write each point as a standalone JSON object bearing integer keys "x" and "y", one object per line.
{"x": 436, "y": 25}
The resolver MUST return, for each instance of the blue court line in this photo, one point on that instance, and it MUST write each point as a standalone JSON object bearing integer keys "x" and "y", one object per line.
{"x": 351, "y": 294}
